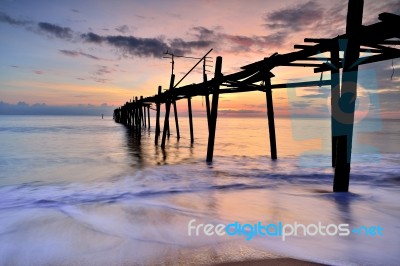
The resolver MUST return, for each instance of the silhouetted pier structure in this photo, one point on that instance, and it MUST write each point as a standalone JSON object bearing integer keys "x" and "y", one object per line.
{"x": 374, "y": 39}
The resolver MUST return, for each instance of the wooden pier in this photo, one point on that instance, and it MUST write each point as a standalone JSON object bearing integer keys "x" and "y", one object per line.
{"x": 376, "y": 39}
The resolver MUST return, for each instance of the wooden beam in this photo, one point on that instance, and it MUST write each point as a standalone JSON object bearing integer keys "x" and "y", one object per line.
{"x": 301, "y": 84}
{"x": 366, "y": 60}
{"x": 303, "y": 64}
{"x": 332, "y": 45}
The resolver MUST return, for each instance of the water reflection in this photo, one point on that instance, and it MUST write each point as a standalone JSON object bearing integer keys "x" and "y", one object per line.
{"x": 133, "y": 142}
{"x": 343, "y": 203}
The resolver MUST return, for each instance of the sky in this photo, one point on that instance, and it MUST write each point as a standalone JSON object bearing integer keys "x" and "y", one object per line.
{"x": 95, "y": 55}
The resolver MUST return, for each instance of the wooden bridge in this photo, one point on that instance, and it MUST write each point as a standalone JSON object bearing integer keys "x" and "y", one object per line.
{"x": 376, "y": 39}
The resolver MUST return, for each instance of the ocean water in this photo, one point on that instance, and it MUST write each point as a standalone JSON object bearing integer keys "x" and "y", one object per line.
{"x": 87, "y": 191}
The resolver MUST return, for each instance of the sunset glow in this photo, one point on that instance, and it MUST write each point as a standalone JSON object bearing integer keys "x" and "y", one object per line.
{"x": 102, "y": 52}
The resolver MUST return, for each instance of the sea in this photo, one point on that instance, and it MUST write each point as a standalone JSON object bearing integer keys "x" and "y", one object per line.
{"x": 82, "y": 190}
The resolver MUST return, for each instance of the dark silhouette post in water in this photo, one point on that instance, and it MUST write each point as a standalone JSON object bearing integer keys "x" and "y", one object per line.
{"x": 190, "y": 119}
{"x": 178, "y": 135}
{"x": 206, "y": 96}
{"x": 214, "y": 109}
{"x": 167, "y": 111}
{"x": 270, "y": 114}
{"x": 142, "y": 112}
{"x": 335, "y": 96}
{"x": 102, "y": 116}
{"x": 348, "y": 96}
{"x": 158, "y": 103}
{"x": 135, "y": 114}
{"x": 148, "y": 116}
{"x": 138, "y": 116}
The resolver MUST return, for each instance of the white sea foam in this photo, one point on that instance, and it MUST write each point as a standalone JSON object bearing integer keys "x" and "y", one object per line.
{"x": 79, "y": 200}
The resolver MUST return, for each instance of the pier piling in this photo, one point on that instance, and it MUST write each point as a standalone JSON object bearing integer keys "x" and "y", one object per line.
{"x": 348, "y": 95}
{"x": 271, "y": 119}
{"x": 167, "y": 111}
{"x": 214, "y": 110}
{"x": 178, "y": 135}
{"x": 190, "y": 119}
{"x": 158, "y": 105}
{"x": 148, "y": 116}
{"x": 335, "y": 96}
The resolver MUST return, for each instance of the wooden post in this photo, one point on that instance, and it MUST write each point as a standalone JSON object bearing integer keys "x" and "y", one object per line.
{"x": 128, "y": 122}
{"x": 158, "y": 103}
{"x": 130, "y": 116}
{"x": 190, "y": 119}
{"x": 207, "y": 102}
{"x": 167, "y": 111}
{"x": 335, "y": 96}
{"x": 178, "y": 136}
{"x": 125, "y": 115}
{"x": 138, "y": 115}
{"x": 214, "y": 110}
{"x": 144, "y": 116}
{"x": 134, "y": 116}
{"x": 271, "y": 119}
{"x": 142, "y": 112}
{"x": 148, "y": 116}
{"x": 348, "y": 96}
{"x": 341, "y": 180}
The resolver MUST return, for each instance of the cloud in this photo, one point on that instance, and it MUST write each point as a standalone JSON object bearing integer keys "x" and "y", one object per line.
{"x": 55, "y": 30}
{"x": 374, "y": 8}
{"x": 203, "y": 38}
{"x": 130, "y": 45}
{"x": 76, "y": 54}
{"x": 38, "y": 72}
{"x": 9, "y": 20}
{"x": 203, "y": 33}
{"x": 242, "y": 113}
{"x": 183, "y": 47}
{"x": 295, "y": 18}
{"x": 236, "y": 43}
{"x": 246, "y": 43}
{"x": 122, "y": 29}
{"x": 103, "y": 70}
{"x": 23, "y": 108}
{"x": 317, "y": 93}
{"x": 101, "y": 74}
{"x": 299, "y": 105}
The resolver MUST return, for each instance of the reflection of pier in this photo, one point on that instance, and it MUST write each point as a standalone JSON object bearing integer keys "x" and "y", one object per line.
{"x": 323, "y": 55}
